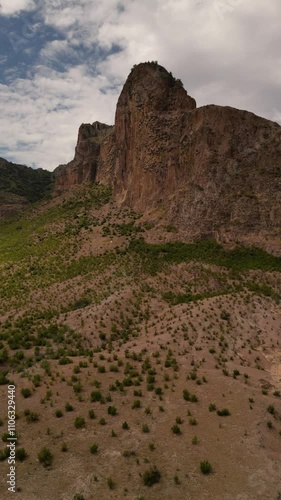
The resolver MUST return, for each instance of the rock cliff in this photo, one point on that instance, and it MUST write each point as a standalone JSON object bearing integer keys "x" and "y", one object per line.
{"x": 214, "y": 171}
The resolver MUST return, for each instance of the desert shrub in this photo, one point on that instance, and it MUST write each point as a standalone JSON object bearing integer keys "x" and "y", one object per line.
{"x": 189, "y": 397}
{"x": 225, "y": 315}
{"x": 176, "y": 429}
{"x": 151, "y": 476}
{"x": 112, "y": 410}
{"x": 45, "y": 457}
{"x": 64, "y": 447}
{"x": 193, "y": 421}
{"x": 206, "y": 467}
{"x": 145, "y": 428}
{"x": 136, "y": 404}
{"x": 31, "y": 416}
{"x": 129, "y": 453}
{"x": 96, "y": 396}
{"x": 271, "y": 409}
{"x": 212, "y": 407}
{"x": 25, "y": 392}
{"x": 110, "y": 483}
{"x": 4, "y": 454}
{"x": 92, "y": 414}
{"x": 68, "y": 407}
{"x": 20, "y": 454}
{"x": 94, "y": 448}
{"x": 224, "y": 412}
{"x": 79, "y": 422}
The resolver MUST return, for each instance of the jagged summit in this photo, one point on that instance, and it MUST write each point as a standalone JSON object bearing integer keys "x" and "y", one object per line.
{"x": 150, "y": 84}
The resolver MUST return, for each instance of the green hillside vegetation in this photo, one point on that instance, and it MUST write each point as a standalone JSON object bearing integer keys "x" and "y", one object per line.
{"x": 32, "y": 184}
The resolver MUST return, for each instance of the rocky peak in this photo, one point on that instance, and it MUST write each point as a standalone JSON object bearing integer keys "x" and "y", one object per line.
{"x": 213, "y": 171}
{"x": 149, "y": 87}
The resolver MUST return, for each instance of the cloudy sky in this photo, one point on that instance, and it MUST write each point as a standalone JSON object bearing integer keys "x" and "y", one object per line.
{"x": 63, "y": 62}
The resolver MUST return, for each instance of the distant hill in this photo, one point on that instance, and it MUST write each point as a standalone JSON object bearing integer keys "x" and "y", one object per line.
{"x": 21, "y": 185}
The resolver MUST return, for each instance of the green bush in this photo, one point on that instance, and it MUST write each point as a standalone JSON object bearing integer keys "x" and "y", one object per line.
{"x": 68, "y": 407}
{"x": 145, "y": 428}
{"x": 25, "y": 392}
{"x": 4, "y": 454}
{"x": 31, "y": 416}
{"x": 20, "y": 454}
{"x": 96, "y": 396}
{"x": 79, "y": 422}
{"x": 112, "y": 410}
{"x": 206, "y": 467}
{"x": 45, "y": 457}
{"x": 136, "y": 404}
{"x": 151, "y": 476}
{"x": 224, "y": 412}
{"x": 94, "y": 448}
{"x": 212, "y": 407}
{"x": 92, "y": 414}
{"x": 110, "y": 483}
{"x": 176, "y": 429}
{"x": 271, "y": 409}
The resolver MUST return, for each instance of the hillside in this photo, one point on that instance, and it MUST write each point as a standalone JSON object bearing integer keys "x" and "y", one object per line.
{"x": 134, "y": 362}
{"x": 20, "y": 186}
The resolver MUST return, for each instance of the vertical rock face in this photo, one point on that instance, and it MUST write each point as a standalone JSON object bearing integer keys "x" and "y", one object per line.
{"x": 215, "y": 171}
{"x": 149, "y": 116}
{"x": 83, "y": 168}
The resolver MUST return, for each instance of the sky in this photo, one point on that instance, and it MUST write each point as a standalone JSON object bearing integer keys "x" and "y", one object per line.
{"x": 64, "y": 62}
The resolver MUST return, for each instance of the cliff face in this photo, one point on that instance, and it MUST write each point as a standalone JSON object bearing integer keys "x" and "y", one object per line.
{"x": 83, "y": 167}
{"x": 215, "y": 171}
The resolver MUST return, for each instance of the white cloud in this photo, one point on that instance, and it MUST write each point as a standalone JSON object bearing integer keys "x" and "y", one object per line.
{"x": 10, "y": 7}
{"x": 44, "y": 114}
{"x": 225, "y": 51}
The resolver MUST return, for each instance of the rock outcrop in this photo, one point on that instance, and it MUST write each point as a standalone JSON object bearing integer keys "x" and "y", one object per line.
{"x": 83, "y": 168}
{"x": 214, "y": 171}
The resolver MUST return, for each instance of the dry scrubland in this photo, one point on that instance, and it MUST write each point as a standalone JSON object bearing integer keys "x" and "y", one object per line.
{"x": 142, "y": 370}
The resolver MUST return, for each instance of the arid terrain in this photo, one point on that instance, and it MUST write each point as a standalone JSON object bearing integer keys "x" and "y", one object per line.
{"x": 137, "y": 358}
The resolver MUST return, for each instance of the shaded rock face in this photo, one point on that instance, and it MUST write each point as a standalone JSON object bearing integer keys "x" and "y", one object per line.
{"x": 83, "y": 168}
{"x": 214, "y": 171}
